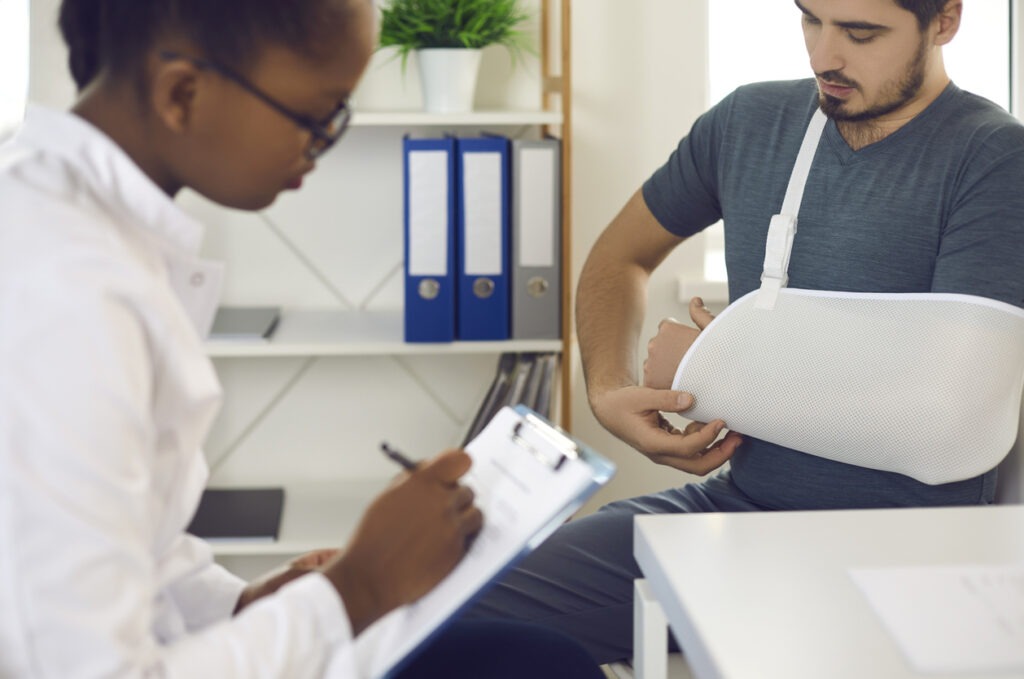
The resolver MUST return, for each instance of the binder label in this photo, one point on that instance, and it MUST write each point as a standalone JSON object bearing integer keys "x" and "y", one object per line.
{"x": 428, "y": 213}
{"x": 536, "y": 207}
{"x": 483, "y": 215}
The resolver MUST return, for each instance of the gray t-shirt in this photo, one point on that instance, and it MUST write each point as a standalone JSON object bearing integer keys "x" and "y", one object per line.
{"x": 938, "y": 206}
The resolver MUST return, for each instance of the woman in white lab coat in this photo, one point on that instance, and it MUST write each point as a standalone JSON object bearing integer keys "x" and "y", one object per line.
{"x": 105, "y": 391}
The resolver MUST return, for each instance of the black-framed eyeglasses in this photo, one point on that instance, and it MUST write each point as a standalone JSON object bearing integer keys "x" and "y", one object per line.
{"x": 324, "y": 133}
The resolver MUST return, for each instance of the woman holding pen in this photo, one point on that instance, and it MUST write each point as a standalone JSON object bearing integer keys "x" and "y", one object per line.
{"x": 106, "y": 393}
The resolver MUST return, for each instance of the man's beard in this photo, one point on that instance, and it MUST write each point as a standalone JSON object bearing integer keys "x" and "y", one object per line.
{"x": 893, "y": 96}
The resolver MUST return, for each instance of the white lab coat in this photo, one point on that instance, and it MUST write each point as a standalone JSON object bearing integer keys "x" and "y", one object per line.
{"x": 105, "y": 398}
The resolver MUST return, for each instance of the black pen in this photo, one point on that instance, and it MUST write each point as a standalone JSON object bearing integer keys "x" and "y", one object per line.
{"x": 398, "y": 457}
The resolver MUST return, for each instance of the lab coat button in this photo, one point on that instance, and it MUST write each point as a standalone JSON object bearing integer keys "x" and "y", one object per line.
{"x": 197, "y": 280}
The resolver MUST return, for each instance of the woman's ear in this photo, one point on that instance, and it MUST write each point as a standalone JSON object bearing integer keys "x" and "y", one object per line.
{"x": 174, "y": 93}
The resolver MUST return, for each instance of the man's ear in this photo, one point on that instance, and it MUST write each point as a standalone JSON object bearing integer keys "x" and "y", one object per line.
{"x": 174, "y": 94}
{"x": 949, "y": 21}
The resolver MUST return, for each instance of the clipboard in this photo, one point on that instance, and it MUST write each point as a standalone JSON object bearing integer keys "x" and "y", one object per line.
{"x": 529, "y": 476}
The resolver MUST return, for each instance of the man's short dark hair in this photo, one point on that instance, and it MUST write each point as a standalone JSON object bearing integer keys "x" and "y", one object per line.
{"x": 924, "y": 10}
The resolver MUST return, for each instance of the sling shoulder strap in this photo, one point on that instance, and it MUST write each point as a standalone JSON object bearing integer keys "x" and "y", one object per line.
{"x": 782, "y": 229}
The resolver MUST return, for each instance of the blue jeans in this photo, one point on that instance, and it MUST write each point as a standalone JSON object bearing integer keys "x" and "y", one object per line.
{"x": 580, "y": 580}
{"x": 501, "y": 649}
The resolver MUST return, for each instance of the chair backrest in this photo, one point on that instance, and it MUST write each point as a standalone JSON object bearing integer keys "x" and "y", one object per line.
{"x": 1010, "y": 485}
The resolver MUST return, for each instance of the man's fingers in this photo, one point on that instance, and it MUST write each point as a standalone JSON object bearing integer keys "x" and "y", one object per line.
{"x": 668, "y": 401}
{"x": 675, "y": 443}
{"x": 694, "y": 427}
{"x": 707, "y": 433}
{"x": 699, "y": 313}
{"x": 730, "y": 443}
{"x": 694, "y": 453}
{"x": 711, "y": 460}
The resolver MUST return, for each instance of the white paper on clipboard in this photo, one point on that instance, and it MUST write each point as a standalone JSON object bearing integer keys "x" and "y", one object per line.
{"x": 529, "y": 477}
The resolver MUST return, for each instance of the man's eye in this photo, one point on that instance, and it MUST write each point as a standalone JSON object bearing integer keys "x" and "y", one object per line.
{"x": 860, "y": 36}
{"x": 810, "y": 21}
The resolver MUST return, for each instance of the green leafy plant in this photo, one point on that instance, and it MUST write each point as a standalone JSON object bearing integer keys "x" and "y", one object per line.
{"x": 417, "y": 24}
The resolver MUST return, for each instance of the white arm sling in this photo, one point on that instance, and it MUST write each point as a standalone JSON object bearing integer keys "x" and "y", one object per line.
{"x": 922, "y": 384}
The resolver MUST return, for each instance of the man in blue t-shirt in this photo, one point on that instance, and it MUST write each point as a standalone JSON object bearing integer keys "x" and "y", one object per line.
{"x": 915, "y": 187}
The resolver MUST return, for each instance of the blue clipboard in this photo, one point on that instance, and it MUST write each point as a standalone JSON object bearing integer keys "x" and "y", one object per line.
{"x": 529, "y": 477}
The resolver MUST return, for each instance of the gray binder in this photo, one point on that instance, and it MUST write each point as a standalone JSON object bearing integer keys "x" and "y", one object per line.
{"x": 536, "y": 239}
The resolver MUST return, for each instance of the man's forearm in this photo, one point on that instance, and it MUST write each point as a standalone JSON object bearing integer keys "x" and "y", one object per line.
{"x": 610, "y": 306}
{"x": 612, "y": 296}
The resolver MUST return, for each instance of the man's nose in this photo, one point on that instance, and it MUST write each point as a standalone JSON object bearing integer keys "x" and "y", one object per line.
{"x": 826, "y": 52}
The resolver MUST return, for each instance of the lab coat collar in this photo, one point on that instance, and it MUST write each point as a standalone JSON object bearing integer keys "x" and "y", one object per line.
{"x": 118, "y": 181}
{"x": 126, "y": 190}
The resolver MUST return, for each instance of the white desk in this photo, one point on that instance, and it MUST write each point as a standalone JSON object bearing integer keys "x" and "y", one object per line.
{"x": 757, "y": 596}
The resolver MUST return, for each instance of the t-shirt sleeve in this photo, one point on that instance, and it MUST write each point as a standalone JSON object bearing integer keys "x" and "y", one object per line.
{"x": 683, "y": 193}
{"x": 982, "y": 246}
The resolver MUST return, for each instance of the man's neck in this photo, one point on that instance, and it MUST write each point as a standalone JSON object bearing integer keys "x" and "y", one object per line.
{"x": 863, "y": 133}
{"x": 867, "y": 132}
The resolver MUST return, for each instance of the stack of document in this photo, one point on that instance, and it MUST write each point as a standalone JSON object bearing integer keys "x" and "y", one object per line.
{"x": 521, "y": 379}
{"x": 482, "y": 238}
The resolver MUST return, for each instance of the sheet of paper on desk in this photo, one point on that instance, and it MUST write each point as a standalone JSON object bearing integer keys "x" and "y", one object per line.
{"x": 951, "y": 618}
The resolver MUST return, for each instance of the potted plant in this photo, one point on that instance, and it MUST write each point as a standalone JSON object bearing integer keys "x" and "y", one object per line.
{"x": 447, "y": 36}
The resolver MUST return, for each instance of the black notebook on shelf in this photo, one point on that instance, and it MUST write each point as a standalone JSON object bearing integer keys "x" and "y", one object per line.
{"x": 239, "y": 514}
{"x": 244, "y": 323}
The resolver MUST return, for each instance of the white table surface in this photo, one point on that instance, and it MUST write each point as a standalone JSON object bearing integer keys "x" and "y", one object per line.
{"x": 763, "y": 595}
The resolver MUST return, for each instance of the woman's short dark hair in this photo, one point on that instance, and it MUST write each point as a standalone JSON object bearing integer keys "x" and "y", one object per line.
{"x": 924, "y": 10}
{"x": 117, "y": 34}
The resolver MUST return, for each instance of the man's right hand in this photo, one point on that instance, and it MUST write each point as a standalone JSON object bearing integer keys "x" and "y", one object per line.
{"x": 634, "y": 414}
{"x": 410, "y": 537}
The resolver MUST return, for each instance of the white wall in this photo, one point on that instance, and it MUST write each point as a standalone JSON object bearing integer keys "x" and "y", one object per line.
{"x": 49, "y": 79}
{"x": 14, "y": 55}
{"x": 639, "y": 71}
{"x": 640, "y": 80}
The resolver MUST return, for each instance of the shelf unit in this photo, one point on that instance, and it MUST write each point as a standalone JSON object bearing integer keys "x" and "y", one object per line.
{"x": 470, "y": 119}
{"x": 355, "y": 333}
{"x": 321, "y": 512}
{"x": 307, "y": 506}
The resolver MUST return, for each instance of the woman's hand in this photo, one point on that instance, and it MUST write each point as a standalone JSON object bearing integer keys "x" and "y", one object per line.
{"x": 271, "y": 582}
{"x": 410, "y": 537}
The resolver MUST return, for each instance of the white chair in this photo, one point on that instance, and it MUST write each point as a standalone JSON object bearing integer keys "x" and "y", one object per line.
{"x": 1010, "y": 486}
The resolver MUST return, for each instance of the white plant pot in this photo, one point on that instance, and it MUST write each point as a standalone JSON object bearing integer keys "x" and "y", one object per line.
{"x": 448, "y": 78}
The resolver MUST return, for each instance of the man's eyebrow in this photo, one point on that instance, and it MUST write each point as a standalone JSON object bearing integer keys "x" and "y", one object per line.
{"x": 850, "y": 25}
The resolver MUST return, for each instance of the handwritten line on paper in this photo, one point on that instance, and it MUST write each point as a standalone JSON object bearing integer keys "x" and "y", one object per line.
{"x": 951, "y": 618}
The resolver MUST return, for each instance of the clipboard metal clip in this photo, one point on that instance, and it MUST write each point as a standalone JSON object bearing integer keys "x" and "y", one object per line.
{"x": 544, "y": 442}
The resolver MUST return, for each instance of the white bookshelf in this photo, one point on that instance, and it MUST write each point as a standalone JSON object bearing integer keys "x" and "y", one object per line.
{"x": 470, "y": 119}
{"x": 316, "y": 515}
{"x": 336, "y": 376}
{"x": 355, "y": 333}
